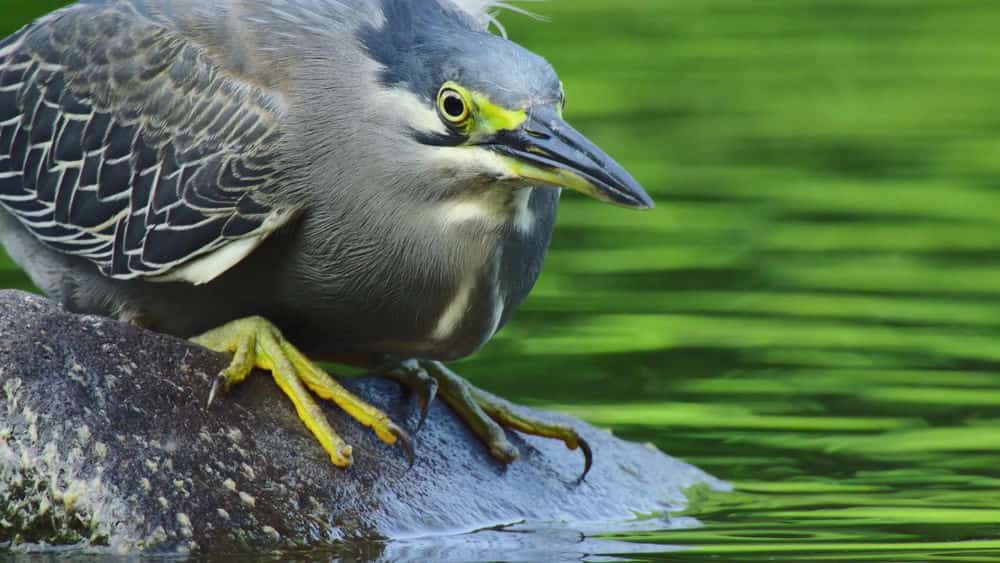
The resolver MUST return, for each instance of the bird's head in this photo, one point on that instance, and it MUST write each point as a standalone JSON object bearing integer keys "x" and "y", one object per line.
{"x": 485, "y": 110}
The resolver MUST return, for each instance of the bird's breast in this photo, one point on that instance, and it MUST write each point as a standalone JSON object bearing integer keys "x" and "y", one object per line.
{"x": 436, "y": 293}
{"x": 483, "y": 299}
{"x": 467, "y": 319}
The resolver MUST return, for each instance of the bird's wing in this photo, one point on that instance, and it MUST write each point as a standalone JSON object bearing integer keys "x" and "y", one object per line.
{"x": 123, "y": 143}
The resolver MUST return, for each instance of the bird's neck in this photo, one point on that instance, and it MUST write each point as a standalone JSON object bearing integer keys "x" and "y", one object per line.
{"x": 490, "y": 211}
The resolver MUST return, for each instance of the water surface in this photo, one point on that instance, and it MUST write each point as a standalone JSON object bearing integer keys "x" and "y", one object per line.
{"x": 813, "y": 311}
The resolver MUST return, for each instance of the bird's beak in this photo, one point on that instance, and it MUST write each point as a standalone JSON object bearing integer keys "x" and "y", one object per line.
{"x": 545, "y": 149}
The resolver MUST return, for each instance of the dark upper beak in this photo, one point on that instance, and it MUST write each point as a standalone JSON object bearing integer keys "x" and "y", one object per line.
{"x": 546, "y": 149}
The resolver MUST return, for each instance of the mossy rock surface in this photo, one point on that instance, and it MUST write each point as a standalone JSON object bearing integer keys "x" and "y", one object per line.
{"x": 106, "y": 443}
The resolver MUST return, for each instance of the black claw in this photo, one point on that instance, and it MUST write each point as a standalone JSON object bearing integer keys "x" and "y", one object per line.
{"x": 405, "y": 441}
{"x": 415, "y": 378}
{"x": 425, "y": 403}
{"x": 219, "y": 381}
{"x": 588, "y": 459}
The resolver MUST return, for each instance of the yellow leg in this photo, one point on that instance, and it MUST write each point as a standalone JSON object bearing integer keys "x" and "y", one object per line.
{"x": 244, "y": 360}
{"x": 327, "y": 388}
{"x": 487, "y": 415}
{"x": 255, "y": 342}
{"x": 502, "y": 411}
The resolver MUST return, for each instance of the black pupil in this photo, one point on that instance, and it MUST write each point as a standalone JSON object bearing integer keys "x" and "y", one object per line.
{"x": 454, "y": 106}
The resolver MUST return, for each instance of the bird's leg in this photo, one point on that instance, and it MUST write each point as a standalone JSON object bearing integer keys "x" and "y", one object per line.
{"x": 256, "y": 343}
{"x": 485, "y": 413}
{"x": 411, "y": 374}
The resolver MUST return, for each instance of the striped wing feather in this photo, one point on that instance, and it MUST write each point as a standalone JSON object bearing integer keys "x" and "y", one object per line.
{"x": 122, "y": 143}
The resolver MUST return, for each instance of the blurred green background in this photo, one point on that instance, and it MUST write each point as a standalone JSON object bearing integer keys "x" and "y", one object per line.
{"x": 813, "y": 310}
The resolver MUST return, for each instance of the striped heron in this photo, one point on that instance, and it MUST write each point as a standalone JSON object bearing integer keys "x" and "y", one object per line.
{"x": 379, "y": 178}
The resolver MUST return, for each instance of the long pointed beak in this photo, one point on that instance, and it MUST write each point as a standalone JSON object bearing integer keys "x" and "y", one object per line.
{"x": 548, "y": 150}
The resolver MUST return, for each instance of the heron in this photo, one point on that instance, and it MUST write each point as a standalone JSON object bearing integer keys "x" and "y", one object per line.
{"x": 297, "y": 181}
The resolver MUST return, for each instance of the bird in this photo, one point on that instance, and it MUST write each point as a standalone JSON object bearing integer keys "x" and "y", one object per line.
{"x": 297, "y": 181}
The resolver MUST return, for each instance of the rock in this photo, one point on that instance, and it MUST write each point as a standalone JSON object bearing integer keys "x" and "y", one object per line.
{"x": 106, "y": 443}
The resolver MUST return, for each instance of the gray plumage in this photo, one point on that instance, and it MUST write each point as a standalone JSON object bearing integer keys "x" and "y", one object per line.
{"x": 187, "y": 163}
{"x": 127, "y": 147}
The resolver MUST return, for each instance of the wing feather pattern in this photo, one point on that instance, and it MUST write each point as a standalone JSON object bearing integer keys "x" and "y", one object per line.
{"x": 122, "y": 143}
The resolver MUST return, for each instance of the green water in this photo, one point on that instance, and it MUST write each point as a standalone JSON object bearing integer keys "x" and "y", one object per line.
{"x": 813, "y": 311}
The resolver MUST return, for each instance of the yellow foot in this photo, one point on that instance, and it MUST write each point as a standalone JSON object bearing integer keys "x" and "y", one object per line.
{"x": 256, "y": 343}
{"x": 485, "y": 413}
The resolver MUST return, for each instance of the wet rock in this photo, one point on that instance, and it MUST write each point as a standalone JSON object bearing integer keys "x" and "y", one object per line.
{"x": 105, "y": 442}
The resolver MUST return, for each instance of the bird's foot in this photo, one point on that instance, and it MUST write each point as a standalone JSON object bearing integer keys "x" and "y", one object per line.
{"x": 256, "y": 343}
{"x": 485, "y": 413}
{"x": 413, "y": 375}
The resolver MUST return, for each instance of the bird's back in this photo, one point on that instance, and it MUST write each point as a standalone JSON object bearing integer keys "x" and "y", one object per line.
{"x": 127, "y": 145}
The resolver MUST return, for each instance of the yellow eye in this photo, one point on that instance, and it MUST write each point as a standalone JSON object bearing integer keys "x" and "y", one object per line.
{"x": 453, "y": 106}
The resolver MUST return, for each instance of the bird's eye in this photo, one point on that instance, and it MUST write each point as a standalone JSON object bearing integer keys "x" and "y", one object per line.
{"x": 453, "y": 106}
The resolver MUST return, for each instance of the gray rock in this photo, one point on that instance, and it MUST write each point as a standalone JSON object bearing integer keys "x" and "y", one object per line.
{"x": 105, "y": 441}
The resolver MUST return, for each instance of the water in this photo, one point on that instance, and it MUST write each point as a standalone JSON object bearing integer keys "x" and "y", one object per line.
{"x": 813, "y": 311}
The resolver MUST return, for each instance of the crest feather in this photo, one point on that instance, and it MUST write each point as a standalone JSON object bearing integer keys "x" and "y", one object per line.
{"x": 487, "y": 12}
